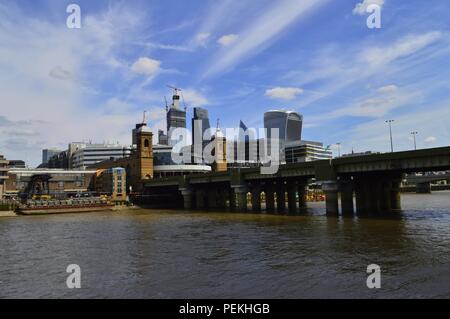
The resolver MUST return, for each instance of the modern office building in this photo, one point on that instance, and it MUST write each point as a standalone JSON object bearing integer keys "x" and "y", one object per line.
{"x": 201, "y": 133}
{"x": 288, "y": 123}
{"x": 84, "y": 155}
{"x": 306, "y": 151}
{"x": 49, "y": 153}
{"x": 3, "y": 174}
{"x": 162, "y": 138}
{"x": 16, "y": 164}
{"x": 59, "y": 160}
{"x": 176, "y": 117}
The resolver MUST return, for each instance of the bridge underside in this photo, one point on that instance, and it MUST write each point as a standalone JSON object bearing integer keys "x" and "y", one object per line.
{"x": 364, "y": 185}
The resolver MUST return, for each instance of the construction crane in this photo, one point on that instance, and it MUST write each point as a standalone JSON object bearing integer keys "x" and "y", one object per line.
{"x": 175, "y": 89}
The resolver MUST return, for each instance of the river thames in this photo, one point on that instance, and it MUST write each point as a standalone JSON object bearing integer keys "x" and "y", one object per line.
{"x": 174, "y": 254}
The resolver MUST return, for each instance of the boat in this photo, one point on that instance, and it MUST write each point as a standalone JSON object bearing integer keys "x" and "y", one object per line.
{"x": 64, "y": 207}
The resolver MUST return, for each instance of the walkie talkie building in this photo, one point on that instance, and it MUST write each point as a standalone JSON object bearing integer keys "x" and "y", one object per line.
{"x": 288, "y": 123}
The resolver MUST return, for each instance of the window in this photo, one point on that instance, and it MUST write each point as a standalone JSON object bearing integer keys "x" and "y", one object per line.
{"x": 146, "y": 143}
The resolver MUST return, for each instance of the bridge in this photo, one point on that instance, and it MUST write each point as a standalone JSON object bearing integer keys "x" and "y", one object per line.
{"x": 372, "y": 180}
{"x": 423, "y": 182}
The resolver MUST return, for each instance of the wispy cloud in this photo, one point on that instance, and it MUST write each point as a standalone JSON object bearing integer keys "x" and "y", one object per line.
{"x": 252, "y": 39}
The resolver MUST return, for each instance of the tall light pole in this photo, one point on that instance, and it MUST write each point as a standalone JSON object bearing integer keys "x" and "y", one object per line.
{"x": 414, "y": 135}
{"x": 390, "y": 132}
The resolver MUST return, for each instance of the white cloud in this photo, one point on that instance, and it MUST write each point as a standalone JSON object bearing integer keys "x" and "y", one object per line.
{"x": 284, "y": 93}
{"x": 361, "y": 8}
{"x": 227, "y": 39}
{"x": 194, "y": 98}
{"x": 379, "y": 56}
{"x": 430, "y": 140}
{"x": 38, "y": 83}
{"x": 201, "y": 39}
{"x": 146, "y": 66}
{"x": 388, "y": 89}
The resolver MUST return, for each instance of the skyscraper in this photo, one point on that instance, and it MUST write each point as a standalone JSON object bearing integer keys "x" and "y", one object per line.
{"x": 288, "y": 123}
{"x": 200, "y": 124}
{"x": 176, "y": 117}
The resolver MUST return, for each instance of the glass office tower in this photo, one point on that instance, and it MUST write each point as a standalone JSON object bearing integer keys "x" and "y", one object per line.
{"x": 288, "y": 123}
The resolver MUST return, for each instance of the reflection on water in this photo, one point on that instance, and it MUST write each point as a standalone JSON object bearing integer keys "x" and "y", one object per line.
{"x": 170, "y": 254}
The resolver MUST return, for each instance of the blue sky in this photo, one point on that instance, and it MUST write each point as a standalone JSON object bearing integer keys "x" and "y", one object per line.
{"x": 236, "y": 58}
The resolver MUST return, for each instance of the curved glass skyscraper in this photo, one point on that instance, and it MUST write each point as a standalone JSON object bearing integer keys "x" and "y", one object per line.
{"x": 288, "y": 123}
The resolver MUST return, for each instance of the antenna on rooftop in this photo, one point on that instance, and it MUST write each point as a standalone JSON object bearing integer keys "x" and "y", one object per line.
{"x": 144, "y": 117}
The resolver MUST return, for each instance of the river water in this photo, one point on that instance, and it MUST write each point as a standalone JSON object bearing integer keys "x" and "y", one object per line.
{"x": 173, "y": 254}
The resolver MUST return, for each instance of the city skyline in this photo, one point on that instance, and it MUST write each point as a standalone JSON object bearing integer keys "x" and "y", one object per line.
{"x": 344, "y": 78}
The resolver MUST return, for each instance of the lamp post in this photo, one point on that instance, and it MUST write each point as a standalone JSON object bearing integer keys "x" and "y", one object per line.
{"x": 390, "y": 132}
{"x": 414, "y": 136}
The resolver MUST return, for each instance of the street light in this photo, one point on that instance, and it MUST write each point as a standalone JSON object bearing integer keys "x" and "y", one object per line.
{"x": 414, "y": 135}
{"x": 390, "y": 131}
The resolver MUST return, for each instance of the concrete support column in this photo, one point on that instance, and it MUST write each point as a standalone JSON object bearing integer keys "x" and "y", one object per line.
{"x": 222, "y": 198}
{"x": 395, "y": 196}
{"x": 423, "y": 188}
{"x": 270, "y": 198}
{"x": 302, "y": 192}
{"x": 200, "y": 199}
{"x": 373, "y": 196}
{"x": 347, "y": 198}
{"x": 361, "y": 194}
{"x": 212, "y": 198}
{"x": 281, "y": 197}
{"x": 256, "y": 199}
{"x": 187, "y": 198}
{"x": 331, "y": 197}
{"x": 241, "y": 198}
{"x": 292, "y": 197}
{"x": 385, "y": 199}
{"x": 232, "y": 197}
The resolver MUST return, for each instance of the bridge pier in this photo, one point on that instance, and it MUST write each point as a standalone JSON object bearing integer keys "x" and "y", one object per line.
{"x": 302, "y": 192}
{"x": 256, "y": 198}
{"x": 385, "y": 196}
{"x": 212, "y": 198}
{"x": 292, "y": 200}
{"x": 281, "y": 197}
{"x": 187, "y": 197}
{"x": 330, "y": 188}
{"x": 423, "y": 188}
{"x": 347, "y": 199}
{"x": 222, "y": 198}
{"x": 270, "y": 198}
{"x": 241, "y": 198}
{"x": 200, "y": 199}
{"x": 396, "y": 204}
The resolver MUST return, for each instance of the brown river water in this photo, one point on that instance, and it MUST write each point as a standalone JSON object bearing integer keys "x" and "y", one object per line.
{"x": 175, "y": 254}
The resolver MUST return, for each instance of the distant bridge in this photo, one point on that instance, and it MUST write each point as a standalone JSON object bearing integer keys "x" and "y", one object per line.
{"x": 423, "y": 182}
{"x": 374, "y": 179}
